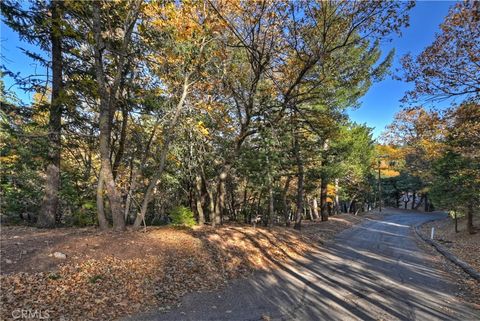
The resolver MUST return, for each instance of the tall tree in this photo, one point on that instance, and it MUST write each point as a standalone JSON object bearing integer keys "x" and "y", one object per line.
{"x": 108, "y": 96}
{"x": 42, "y": 24}
{"x": 449, "y": 67}
{"x": 186, "y": 35}
{"x": 48, "y": 212}
{"x": 457, "y": 172}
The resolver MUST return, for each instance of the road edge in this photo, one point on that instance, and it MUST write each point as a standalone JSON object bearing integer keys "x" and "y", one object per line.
{"x": 463, "y": 265}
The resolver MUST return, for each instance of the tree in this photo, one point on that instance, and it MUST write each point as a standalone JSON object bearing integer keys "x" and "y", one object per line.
{"x": 108, "y": 93}
{"x": 418, "y": 134}
{"x": 354, "y": 153}
{"x": 47, "y": 20}
{"x": 22, "y": 151}
{"x": 457, "y": 172}
{"x": 186, "y": 36}
{"x": 449, "y": 67}
{"x": 49, "y": 209}
{"x": 293, "y": 50}
{"x": 237, "y": 108}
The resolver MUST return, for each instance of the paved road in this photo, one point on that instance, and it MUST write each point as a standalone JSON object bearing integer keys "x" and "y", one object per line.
{"x": 374, "y": 271}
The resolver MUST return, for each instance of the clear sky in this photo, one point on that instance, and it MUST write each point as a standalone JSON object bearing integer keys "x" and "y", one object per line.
{"x": 378, "y": 106}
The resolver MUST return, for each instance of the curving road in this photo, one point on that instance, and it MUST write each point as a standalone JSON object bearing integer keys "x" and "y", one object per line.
{"x": 374, "y": 271}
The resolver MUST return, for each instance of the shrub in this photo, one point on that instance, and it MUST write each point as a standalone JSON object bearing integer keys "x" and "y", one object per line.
{"x": 182, "y": 216}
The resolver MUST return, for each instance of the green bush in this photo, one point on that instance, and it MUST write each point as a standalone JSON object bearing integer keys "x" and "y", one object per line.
{"x": 182, "y": 216}
{"x": 82, "y": 218}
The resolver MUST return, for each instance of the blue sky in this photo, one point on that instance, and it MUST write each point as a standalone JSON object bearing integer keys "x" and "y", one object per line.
{"x": 378, "y": 106}
{"x": 382, "y": 101}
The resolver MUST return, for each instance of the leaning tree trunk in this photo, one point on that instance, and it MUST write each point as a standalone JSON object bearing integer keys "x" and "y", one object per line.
{"x": 137, "y": 170}
{"x": 169, "y": 132}
{"x": 49, "y": 208}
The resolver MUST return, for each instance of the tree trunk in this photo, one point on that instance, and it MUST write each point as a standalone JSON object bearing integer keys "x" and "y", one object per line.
{"x": 244, "y": 203}
{"x": 200, "y": 199}
{"x": 259, "y": 204}
{"x": 310, "y": 209}
{"x": 406, "y": 199}
{"x": 414, "y": 198}
{"x": 163, "y": 155}
{"x": 233, "y": 204}
{"x": 113, "y": 194}
{"x": 133, "y": 185}
{"x": 323, "y": 200}
{"x": 350, "y": 204}
{"x": 121, "y": 144}
{"x": 105, "y": 119}
{"x": 49, "y": 208}
{"x": 271, "y": 209}
{"x": 456, "y": 220}
{"x": 337, "y": 196}
{"x": 220, "y": 199}
{"x": 211, "y": 202}
{"x": 108, "y": 100}
{"x": 315, "y": 208}
{"x": 470, "y": 228}
{"x": 138, "y": 170}
{"x": 422, "y": 198}
{"x": 300, "y": 187}
{"x": 426, "y": 203}
{"x": 220, "y": 208}
{"x": 102, "y": 220}
{"x": 285, "y": 203}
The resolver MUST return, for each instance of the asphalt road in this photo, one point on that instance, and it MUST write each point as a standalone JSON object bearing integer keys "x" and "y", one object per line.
{"x": 374, "y": 271}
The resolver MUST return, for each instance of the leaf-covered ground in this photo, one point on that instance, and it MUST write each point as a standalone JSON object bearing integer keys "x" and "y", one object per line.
{"x": 107, "y": 275}
{"x": 463, "y": 245}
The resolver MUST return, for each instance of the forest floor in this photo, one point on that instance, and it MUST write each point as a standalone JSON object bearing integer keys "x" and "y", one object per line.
{"x": 377, "y": 270}
{"x": 462, "y": 244}
{"x": 83, "y": 273}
